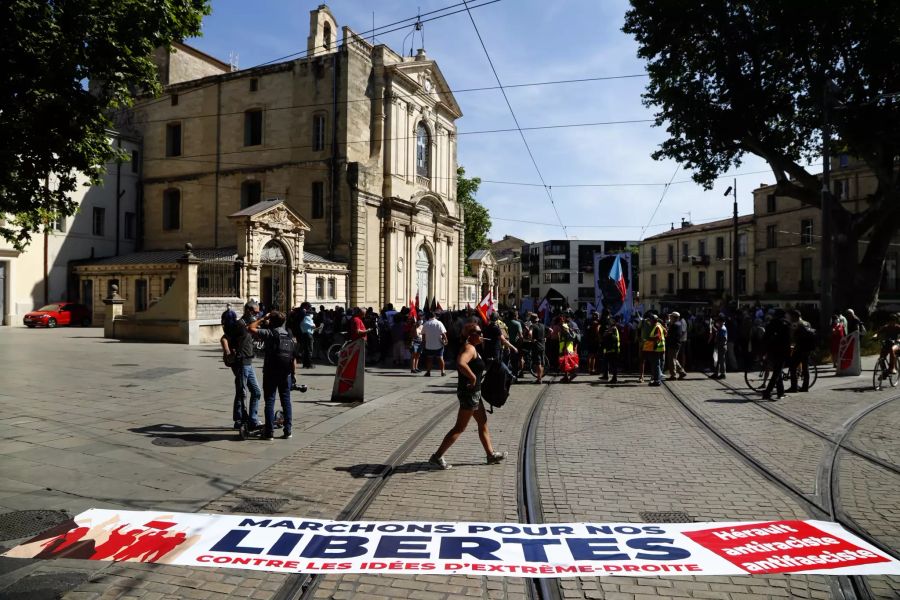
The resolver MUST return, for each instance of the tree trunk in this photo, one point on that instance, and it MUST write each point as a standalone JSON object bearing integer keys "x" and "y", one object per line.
{"x": 857, "y": 281}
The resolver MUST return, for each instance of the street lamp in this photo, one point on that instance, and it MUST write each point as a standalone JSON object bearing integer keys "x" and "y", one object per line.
{"x": 734, "y": 244}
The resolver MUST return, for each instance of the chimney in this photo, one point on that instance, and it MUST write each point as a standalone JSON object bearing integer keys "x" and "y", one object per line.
{"x": 685, "y": 223}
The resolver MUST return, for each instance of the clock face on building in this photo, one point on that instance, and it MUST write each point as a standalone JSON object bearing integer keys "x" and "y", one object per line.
{"x": 428, "y": 85}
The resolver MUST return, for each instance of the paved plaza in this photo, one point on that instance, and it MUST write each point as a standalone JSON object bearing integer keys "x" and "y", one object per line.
{"x": 90, "y": 422}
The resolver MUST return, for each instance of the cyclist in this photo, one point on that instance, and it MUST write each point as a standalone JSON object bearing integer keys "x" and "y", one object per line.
{"x": 890, "y": 332}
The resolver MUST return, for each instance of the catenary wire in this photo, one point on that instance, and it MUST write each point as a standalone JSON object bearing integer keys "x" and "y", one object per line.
{"x": 369, "y": 99}
{"x": 661, "y": 197}
{"x": 515, "y": 120}
{"x": 361, "y": 35}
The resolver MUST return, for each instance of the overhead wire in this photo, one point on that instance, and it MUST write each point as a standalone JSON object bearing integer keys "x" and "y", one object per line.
{"x": 361, "y": 35}
{"x": 661, "y": 198}
{"x": 515, "y": 120}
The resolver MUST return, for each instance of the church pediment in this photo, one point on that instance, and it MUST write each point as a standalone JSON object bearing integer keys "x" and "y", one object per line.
{"x": 428, "y": 78}
{"x": 274, "y": 214}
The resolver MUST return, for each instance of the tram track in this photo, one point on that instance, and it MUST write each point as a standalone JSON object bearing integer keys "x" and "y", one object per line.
{"x": 303, "y": 586}
{"x": 826, "y": 505}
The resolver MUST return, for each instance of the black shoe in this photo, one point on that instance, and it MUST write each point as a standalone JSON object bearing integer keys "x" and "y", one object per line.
{"x": 495, "y": 457}
{"x": 427, "y": 373}
{"x": 791, "y": 390}
{"x": 237, "y": 424}
{"x": 803, "y": 389}
{"x": 779, "y": 396}
{"x": 767, "y": 396}
{"x": 287, "y": 435}
{"x": 682, "y": 375}
{"x": 267, "y": 436}
{"x": 614, "y": 380}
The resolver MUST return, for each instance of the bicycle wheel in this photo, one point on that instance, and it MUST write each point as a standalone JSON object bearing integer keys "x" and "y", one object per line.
{"x": 333, "y": 353}
{"x": 757, "y": 376}
{"x": 877, "y": 377}
{"x": 813, "y": 375}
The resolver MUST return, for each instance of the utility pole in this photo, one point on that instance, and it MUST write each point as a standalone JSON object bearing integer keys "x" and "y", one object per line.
{"x": 735, "y": 287}
{"x": 827, "y": 251}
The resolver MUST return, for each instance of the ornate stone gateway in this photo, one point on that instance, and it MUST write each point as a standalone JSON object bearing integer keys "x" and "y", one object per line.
{"x": 275, "y": 277}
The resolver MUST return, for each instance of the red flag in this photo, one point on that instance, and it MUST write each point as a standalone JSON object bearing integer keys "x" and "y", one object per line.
{"x": 417, "y": 300}
{"x": 486, "y": 306}
{"x": 413, "y": 311}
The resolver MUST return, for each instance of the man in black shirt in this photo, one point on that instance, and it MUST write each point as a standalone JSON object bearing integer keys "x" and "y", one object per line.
{"x": 777, "y": 341}
{"x": 277, "y": 366}
{"x": 538, "y": 347}
{"x": 237, "y": 347}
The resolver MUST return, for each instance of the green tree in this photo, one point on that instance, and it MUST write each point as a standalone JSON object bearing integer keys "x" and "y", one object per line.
{"x": 52, "y": 124}
{"x": 732, "y": 77}
{"x": 477, "y": 217}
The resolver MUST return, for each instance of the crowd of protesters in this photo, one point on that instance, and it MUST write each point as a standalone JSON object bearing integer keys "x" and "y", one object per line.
{"x": 649, "y": 345}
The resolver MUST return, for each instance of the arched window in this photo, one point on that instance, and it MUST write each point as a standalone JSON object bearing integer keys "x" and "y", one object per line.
{"x": 423, "y": 151}
{"x": 327, "y": 36}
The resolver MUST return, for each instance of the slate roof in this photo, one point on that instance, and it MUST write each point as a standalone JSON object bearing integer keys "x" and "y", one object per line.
{"x": 255, "y": 209}
{"x": 161, "y": 257}
{"x": 479, "y": 255}
{"x": 310, "y": 257}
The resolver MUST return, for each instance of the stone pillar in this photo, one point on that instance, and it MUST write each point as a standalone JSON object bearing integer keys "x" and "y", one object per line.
{"x": 113, "y": 311}
{"x": 188, "y": 311}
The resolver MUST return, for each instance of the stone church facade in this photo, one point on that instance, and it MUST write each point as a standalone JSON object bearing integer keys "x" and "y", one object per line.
{"x": 350, "y": 153}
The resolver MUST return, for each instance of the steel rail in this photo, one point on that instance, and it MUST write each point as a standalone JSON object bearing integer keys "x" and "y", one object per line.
{"x": 302, "y": 586}
{"x": 530, "y": 509}
{"x": 849, "y": 586}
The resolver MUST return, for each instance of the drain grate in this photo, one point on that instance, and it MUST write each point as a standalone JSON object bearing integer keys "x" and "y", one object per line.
{"x": 151, "y": 374}
{"x": 666, "y": 517}
{"x": 182, "y": 440}
{"x": 259, "y": 505}
{"x": 26, "y": 523}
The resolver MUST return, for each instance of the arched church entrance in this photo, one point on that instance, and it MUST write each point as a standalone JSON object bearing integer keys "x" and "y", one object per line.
{"x": 485, "y": 284}
{"x": 423, "y": 273}
{"x": 275, "y": 278}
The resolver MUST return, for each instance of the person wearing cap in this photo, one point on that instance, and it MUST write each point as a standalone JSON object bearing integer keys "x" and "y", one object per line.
{"x": 673, "y": 346}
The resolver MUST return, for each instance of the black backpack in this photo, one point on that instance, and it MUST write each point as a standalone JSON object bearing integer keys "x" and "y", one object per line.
{"x": 805, "y": 338}
{"x": 282, "y": 350}
{"x": 496, "y": 384}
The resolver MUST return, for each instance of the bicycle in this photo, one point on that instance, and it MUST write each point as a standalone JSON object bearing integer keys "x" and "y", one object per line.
{"x": 882, "y": 371}
{"x": 334, "y": 351}
{"x": 756, "y": 376}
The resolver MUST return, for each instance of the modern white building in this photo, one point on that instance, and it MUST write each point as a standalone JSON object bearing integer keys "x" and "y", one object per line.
{"x": 107, "y": 224}
{"x": 563, "y": 270}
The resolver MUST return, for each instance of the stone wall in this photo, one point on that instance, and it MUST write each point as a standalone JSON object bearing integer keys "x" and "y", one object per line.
{"x": 211, "y": 309}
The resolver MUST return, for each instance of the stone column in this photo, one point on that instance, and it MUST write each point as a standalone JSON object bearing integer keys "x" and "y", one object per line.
{"x": 189, "y": 264}
{"x": 113, "y": 311}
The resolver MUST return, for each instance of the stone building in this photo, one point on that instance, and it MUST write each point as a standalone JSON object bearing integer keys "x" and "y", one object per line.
{"x": 563, "y": 270}
{"x": 788, "y": 239}
{"x": 357, "y": 142}
{"x": 105, "y": 225}
{"x": 508, "y": 252}
{"x": 692, "y": 264}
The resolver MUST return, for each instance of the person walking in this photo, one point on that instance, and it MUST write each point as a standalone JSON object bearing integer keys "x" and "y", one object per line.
{"x": 673, "y": 346}
{"x": 415, "y": 344}
{"x": 470, "y": 368}
{"x": 434, "y": 338}
{"x": 280, "y": 349}
{"x": 719, "y": 338}
{"x": 655, "y": 348}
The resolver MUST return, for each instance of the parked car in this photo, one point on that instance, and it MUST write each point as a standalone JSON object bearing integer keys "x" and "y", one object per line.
{"x": 59, "y": 313}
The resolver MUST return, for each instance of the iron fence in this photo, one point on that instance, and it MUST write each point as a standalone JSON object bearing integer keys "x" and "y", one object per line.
{"x": 219, "y": 278}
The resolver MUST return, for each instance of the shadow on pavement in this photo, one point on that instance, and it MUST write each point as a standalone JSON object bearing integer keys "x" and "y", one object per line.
{"x": 858, "y": 390}
{"x": 191, "y": 435}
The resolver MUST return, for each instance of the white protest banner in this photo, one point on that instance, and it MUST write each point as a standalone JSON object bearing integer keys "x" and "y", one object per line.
{"x": 285, "y": 544}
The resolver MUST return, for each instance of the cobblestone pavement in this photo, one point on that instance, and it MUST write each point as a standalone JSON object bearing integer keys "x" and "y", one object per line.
{"x": 88, "y": 414}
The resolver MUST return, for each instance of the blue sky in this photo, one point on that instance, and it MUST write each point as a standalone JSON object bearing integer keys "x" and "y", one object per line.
{"x": 528, "y": 41}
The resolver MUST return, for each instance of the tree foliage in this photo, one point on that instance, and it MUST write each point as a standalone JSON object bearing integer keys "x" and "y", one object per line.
{"x": 732, "y": 77}
{"x": 477, "y": 217}
{"x": 52, "y": 125}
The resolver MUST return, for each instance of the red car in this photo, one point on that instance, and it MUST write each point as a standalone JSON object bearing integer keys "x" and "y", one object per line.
{"x": 59, "y": 313}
